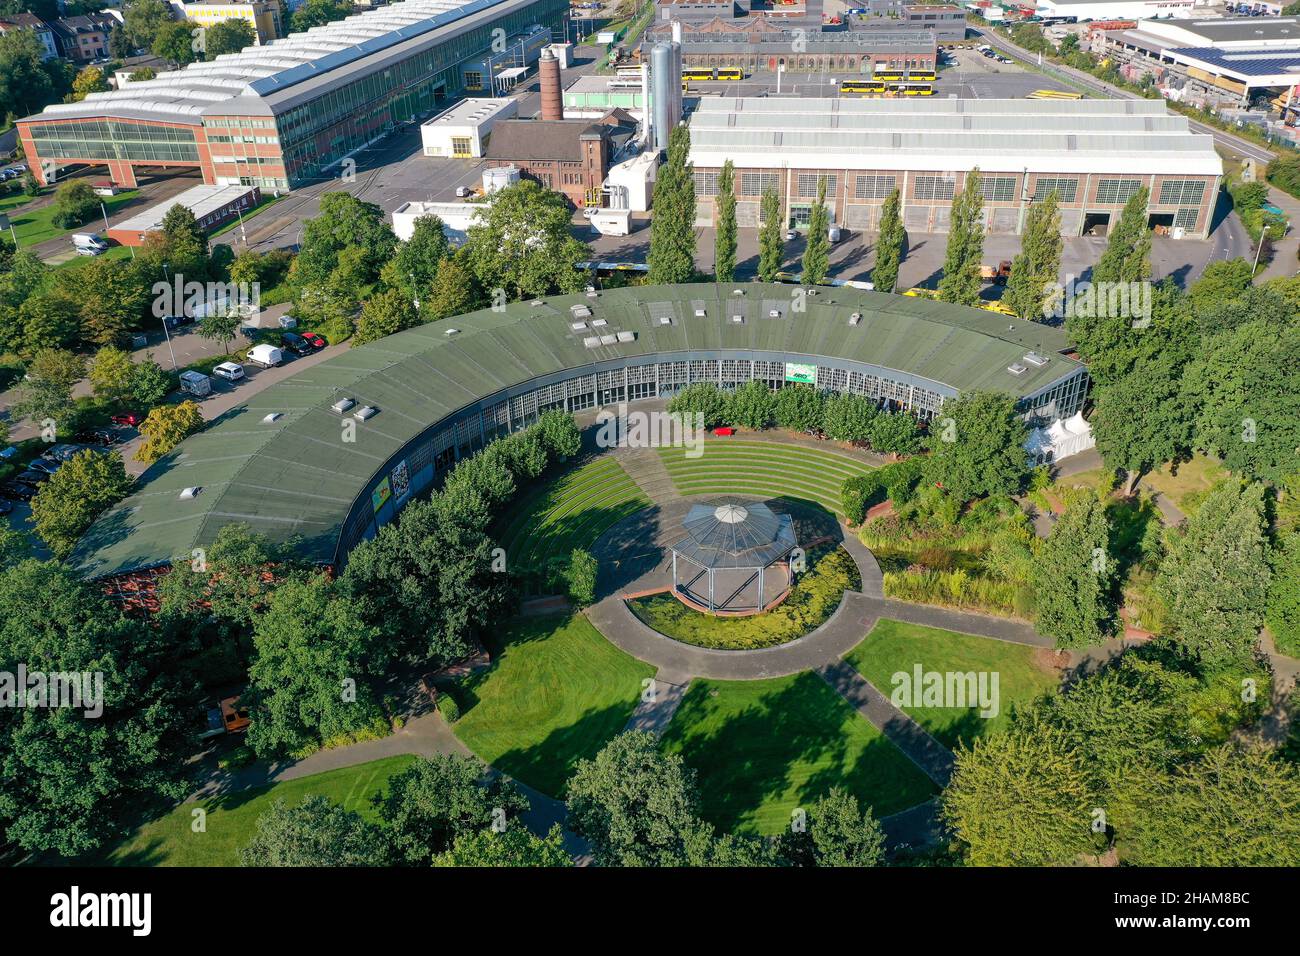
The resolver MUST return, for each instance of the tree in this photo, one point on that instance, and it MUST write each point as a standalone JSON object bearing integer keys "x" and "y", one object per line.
{"x": 165, "y": 427}
{"x": 634, "y": 803}
{"x": 514, "y": 846}
{"x": 434, "y": 801}
{"x": 839, "y": 833}
{"x": 1233, "y": 807}
{"x": 1127, "y": 257}
{"x": 724, "y": 243}
{"x": 1214, "y": 580}
{"x": 140, "y": 73}
{"x": 849, "y": 417}
{"x": 581, "y": 578}
{"x": 751, "y": 405}
{"x": 68, "y": 781}
{"x": 672, "y": 231}
{"x": 817, "y": 251}
{"x": 977, "y": 446}
{"x": 1074, "y": 577}
{"x": 522, "y": 246}
{"x": 1020, "y": 798}
{"x": 800, "y": 408}
{"x": 112, "y": 294}
{"x": 174, "y": 40}
{"x": 230, "y": 36}
{"x": 86, "y": 486}
{"x": 317, "y": 13}
{"x": 344, "y": 222}
{"x": 1284, "y": 595}
{"x": 383, "y": 314}
{"x": 895, "y": 434}
{"x": 179, "y": 225}
{"x": 143, "y": 19}
{"x": 965, "y": 250}
{"x": 74, "y": 203}
{"x": 25, "y": 85}
{"x": 417, "y": 261}
{"x": 1221, "y": 281}
{"x": 46, "y": 392}
{"x": 560, "y": 434}
{"x": 703, "y": 399}
{"x": 453, "y": 292}
{"x": 309, "y": 680}
{"x": 90, "y": 79}
{"x": 49, "y": 320}
{"x": 315, "y": 833}
{"x": 771, "y": 237}
{"x": 111, "y": 372}
{"x": 889, "y": 244}
{"x": 221, "y": 325}
{"x": 149, "y": 383}
{"x": 1033, "y": 288}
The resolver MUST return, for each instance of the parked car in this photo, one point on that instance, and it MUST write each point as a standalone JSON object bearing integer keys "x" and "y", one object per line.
{"x": 295, "y": 343}
{"x": 98, "y": 436}
{"x": 130, "y": 419}
{"x": 6, "y": 506}
{"x": 16, "y": 490}
{"x": 30, "y": 476}
{"x": 316, "y": 340}
{"x": 46, "y": 466}
{"x": 230, "y": 371}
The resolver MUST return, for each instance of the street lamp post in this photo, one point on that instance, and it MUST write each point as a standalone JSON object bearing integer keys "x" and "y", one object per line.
{"x": 167, "y": 332}
{"x": 105, "y": 212}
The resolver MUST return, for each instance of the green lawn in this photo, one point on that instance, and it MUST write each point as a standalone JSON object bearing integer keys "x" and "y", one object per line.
{"x": 762, "y": 748}
{"x": 35, "y": 226}
{"x": 813, "y": 599}
{"x": 231, "y": 820}
{"x": 894, "y": 647}
{"x": 556, "y": 693}
{"x": 731, "y": 465}
{"x": 568, "y": 511}
{"x": 1193, "y": 481}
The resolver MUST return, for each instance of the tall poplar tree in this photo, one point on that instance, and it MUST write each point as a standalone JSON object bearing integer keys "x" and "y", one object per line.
{"x": 1073, "y": 577}
{"x": 1033, "y": 288}
{"x": 961, "y": 263}
{"x": 1128, "y": 250}
{"x": 889, "y": 245}
{"x": 724, "y": 248}
{"x": 771, "y": 237}
{"x": 672, "y": 231}
{"x": 817, "y": 253}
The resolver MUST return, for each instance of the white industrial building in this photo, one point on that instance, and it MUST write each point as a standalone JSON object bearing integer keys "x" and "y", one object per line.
{"x": 463, "y": 130}
{"x": 1094, "y": 154}
{"x": 1082, "y": 10}
{"x": 456, "y": 218}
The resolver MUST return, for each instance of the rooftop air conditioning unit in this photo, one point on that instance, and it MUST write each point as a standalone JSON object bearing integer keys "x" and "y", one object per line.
{"x": 577, "y": 326}
{"x": 1036, "y": 360}
{"x": 580, "y": 311}
{"x": 608, "y": 339}
{"x": 855, "y": 318}
{"x": 665, "y": 320}
{"x": 271, "y": 417}
{"x": 1015, "y": 368}
{"x": 591, "y": 341}
{"x": 774, "y": 314}
{"x": 365, "y": 412}
{"x": 700, "y": 313}
{"x": 598, "y": 323}
{"x": 192, "y": 491}
{"x": 342, "y": 405}
{"x": 737, "y": 320}
{"x": 627, "y": 336}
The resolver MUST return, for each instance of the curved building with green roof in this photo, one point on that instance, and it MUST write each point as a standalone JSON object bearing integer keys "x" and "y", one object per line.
{"x": 329, "y": 455}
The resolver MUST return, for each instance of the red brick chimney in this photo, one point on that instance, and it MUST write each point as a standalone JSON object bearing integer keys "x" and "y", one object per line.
{"x": 548, "y": 69}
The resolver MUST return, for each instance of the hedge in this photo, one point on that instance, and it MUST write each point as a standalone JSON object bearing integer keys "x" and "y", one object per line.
{"x": 894, "y": 482}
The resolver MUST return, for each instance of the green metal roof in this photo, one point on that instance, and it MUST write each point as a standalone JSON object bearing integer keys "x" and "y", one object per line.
{"x": 296, "y": 476}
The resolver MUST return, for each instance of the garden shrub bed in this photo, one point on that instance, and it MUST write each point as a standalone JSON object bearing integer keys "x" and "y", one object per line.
{"x": 813, "y": 599}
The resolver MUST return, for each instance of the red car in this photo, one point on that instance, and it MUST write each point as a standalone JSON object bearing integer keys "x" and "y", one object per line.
{"x": 724, "y": 431}
{"x": 314, "y": 339}
{"x": 130, "y": 419}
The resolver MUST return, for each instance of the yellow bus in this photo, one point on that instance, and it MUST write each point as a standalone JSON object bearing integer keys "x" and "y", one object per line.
{"x": 731, "y": 73}
{"x": 1053, "y": 95}
{"x": 698, "y": 73}
{"x": 861, "y": 86}
{"x": 921, "y": 76}
{"x": 911, "y": 89}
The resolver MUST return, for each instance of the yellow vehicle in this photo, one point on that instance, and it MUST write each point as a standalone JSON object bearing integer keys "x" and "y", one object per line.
{"x": 731, "y": 73}
{"x": 888, "y": 75}
{"x": 861, "y": 86}
{"x": 1053, "y": 95}
{"x": 698, "y": 73}
{"x": 920, "y": 76}
{"x": 917, "y": 292}
{"x": 911, "y": 89}
{"x": 996, "y": 305}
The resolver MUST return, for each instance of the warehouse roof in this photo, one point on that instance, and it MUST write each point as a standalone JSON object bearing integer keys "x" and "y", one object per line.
{"x": 277, "y": 460}
{"x": 266, "y": 79}
{"x": 1059, "y": 136}
{"x": 1235, "y": 30}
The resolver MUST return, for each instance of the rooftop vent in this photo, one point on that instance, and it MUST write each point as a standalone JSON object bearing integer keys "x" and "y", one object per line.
{"x": 608, "y": 339}
{"x": 580, "y": 311}
{"x": 774, "y": 314}
{"x": 342, "y": 405}
{"x": 1036, "y": 360}
{"x": 192, "y": 491}
{"x": 812, "y": 291}
{"x": 577, "y": 326}
{"x": 855, "y": 318}
{"x": 271, "y": 417}
{"x": 591, "y": 341}
{"x": 665, "y": 320}
{"x": 737, "y": 320}
{"x": 626, "y": 336}
{"x": 1015, "y": 368}
{"x": 737, "y": 291}
{"x": 365, "y": 412}
{"x": 598, "y": 323}
{"x": 700, "y": 313}
{"x": 451, "y": 332}
{"x": 537, "y": 302}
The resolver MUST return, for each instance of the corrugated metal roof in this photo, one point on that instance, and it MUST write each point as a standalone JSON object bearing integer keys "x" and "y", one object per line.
{"x": 295, "y": 477}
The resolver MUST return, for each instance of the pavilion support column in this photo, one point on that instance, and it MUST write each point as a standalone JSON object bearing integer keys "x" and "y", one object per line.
{"x": 761, "y": 594}
{"x": 710, "y": 589}
{"x": 674, "y": 572}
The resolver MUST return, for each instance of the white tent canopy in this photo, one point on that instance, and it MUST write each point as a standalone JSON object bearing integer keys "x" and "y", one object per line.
{"x": 1061, "y": 439}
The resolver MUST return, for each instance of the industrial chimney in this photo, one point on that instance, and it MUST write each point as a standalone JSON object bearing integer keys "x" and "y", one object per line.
{"x": 548, "y": 69}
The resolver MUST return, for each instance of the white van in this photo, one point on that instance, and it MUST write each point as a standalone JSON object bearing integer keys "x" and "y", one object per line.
{"x": 230, "y": 371}
{"x": 88, "y": 244}
{"x": 196, "y": 383}
{"x": 267, "y": 356}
